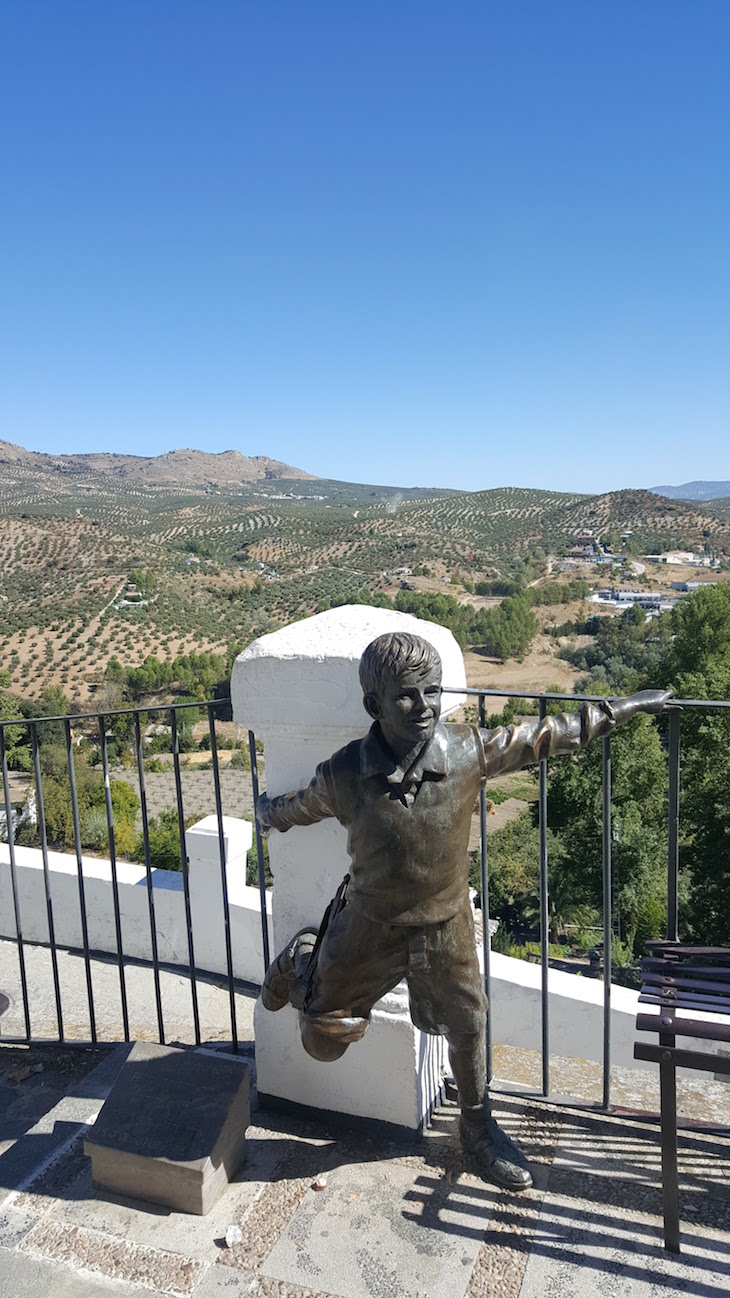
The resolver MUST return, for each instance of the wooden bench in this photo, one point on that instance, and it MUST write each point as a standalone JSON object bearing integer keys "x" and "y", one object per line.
{"x": 682, "y": 978}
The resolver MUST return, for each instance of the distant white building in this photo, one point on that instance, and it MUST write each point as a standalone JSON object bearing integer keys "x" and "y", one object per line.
{"x": 690, "y": 586}
{"x": 620, "y": 600}
{"x": 687, "y": 558}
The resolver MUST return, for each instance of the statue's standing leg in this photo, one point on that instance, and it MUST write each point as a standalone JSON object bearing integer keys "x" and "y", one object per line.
{"x": 445, "y": 985}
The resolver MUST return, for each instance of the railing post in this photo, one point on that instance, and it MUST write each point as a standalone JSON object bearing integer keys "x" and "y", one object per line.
{"x": 544, "y": 916}
{"x": 673, "y": 844}
{"x": 259, "y": 849}
{"x": 115, "y": 881}
{"x": 80, "y": 872}
{"x": 148, "y": 872}
{"x": 607, "y": 922}
{"x": 224, "y": 877}
{"x": 484, "y": 884}
{"x": 14, "y": 882}
{"x": 46, "y": 873}
{"x": 185, "y": 871}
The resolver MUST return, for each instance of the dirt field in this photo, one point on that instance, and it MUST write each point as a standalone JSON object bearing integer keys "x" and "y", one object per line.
{"x": 539, "y": 670}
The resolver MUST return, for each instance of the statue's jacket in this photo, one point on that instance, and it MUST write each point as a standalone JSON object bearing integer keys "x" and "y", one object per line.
{"x": 408, "y": 829}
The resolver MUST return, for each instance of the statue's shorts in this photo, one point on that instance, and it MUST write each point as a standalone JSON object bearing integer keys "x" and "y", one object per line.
{"x": 360, "y": 959}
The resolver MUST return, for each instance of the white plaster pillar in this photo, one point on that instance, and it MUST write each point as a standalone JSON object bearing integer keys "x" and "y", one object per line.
{"x": 298, "y": 690}
{"x": 206, "y": 898}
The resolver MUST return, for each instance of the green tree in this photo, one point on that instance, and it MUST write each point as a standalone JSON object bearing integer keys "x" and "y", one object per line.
{"x": 639, "y": 811}
{"x": 164, "y": 840}
{"x": 697, "y": 665}
{"x": 17, "y": 744}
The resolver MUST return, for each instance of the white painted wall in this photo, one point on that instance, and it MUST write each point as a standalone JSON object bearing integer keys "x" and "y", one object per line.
{"x": 206, "y": 898}
{"x": 356, "y": 1083}
{"x": 575, "y": 1014}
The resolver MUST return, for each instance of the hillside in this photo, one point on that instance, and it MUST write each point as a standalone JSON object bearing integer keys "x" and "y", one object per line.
{"x": 695, "y": 491}
{"x": 184, "y": 468}
{"x": 224, "y": 563}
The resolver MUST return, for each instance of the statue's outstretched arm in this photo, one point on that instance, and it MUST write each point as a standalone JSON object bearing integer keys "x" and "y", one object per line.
{"x": 509, "y": 748}
{"x": 302, "y": 807}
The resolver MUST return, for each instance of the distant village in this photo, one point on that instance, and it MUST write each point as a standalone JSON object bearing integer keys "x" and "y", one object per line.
{"x": 591, "y": 550}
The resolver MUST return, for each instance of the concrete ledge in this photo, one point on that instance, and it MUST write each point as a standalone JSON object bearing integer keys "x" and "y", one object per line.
{"x": 206, "y": 896}
{"x": 576, "y": 1013}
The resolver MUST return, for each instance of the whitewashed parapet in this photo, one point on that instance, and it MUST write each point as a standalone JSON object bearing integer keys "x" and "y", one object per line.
{"x": 172, "y": 943}
{"x": 303, "y": 679}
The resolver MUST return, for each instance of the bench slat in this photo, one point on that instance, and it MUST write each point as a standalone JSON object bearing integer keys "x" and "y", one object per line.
{"x": 683, "y": 1027}
{"x": 678, "y": 949}
{"x": 674, "y": 967}
{"x": 656, "y": 1054}
{"x": 687, "y": 984}
{"x": 710, "y": 1004}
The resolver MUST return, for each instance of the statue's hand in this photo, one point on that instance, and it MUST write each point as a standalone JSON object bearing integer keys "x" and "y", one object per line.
{"x": 262, "y": 815}
{"x": 653, "y": 701}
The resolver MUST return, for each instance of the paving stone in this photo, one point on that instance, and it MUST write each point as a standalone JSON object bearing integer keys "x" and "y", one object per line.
{"x": 374, "y": 1232}
{"x": 579, "y": 1251}
{"x": 28, "y": 1277}
{"x": 116, "y": 1259}
{"x": 173, "y": 1127}
{"x": 149, "y": 1224}
{"x": 222, "y": 1282}
{"x": 600, "y": 1226}
{"x": 44, "y": 1143}
{"x": 14, "y": 1225}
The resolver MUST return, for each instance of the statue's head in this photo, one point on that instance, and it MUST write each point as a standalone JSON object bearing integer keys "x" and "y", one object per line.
{"x": 400, "y": 676}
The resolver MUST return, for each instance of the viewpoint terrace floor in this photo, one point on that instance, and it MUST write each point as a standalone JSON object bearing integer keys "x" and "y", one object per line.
{"x": 395, "y": 1220}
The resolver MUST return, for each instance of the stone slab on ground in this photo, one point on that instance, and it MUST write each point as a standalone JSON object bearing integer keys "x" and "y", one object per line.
{"x": 590, "y": 1228}
{"x": 22, "y": 1276}
{"x": 372, "y": 1230}
{"x": 173, "y": 1127}
{"x": 148, "y": 1224}
{"x": 600, "y": 1227}
{"x": 44, "y": 1111}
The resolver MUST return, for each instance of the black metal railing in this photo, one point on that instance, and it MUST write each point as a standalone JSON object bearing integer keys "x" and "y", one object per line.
{"x": 674, "y": 714}
{"x": 101, "y": 721}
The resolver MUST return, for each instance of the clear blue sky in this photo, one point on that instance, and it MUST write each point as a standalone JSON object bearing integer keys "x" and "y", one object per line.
{"x": 461, "y": 243}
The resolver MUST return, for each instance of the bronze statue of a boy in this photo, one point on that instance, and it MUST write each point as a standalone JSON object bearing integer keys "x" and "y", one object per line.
{"x": 405, "y": 793}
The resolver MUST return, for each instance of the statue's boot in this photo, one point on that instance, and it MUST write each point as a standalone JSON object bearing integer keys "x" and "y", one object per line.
{"x": 497, "y": 1157}
{"x": 281, "y": 973}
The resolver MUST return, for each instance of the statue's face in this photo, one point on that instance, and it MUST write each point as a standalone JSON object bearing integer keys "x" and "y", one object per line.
{"x": 409, "y": 707}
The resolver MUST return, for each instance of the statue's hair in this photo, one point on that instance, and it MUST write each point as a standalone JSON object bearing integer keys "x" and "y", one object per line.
{"x": 393, "y": 655}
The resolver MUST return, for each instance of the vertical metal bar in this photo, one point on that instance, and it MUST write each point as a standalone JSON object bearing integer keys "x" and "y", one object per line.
{"x": 148, "y": 869}
{"x": 14, "y": 882}
{"x": 607, "y": 922}
{"x": 673, "y": 845}
{"x": 668, "y": 1116}
{"x": 224, "y": 880}
{"x": 185, "y": 872}
{"x": 484, "y": 885}
{"x": 259, "y": 848}
{"x": 115, "y": 885}
{"x": 80, "y": 872}
{"x": 46, "y": 872}
{"x": 544, "y": 917}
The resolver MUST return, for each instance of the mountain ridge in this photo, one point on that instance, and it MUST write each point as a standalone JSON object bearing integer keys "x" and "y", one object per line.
{"x": 696, "y": 490}
{"x": 185, "y": 467}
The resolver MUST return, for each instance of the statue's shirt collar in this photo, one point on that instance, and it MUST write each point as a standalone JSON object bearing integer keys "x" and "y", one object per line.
{"x": 432, "y": 758}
